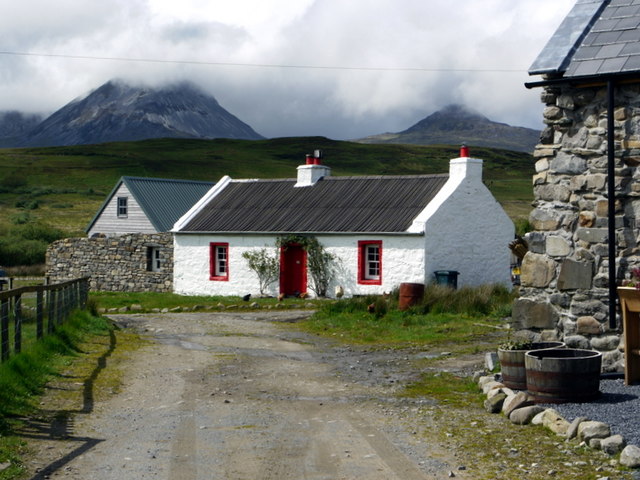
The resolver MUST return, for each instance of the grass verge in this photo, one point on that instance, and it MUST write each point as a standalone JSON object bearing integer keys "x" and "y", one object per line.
{"x": 23, "y": 378}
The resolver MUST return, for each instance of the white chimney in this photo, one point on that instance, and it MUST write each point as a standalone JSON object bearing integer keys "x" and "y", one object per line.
{"x": 312, "y": 170}
{"x": 465, "y": 167}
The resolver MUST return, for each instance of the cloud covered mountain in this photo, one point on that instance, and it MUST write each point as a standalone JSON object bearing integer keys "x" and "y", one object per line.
{"x": 117, "y": 111}
{"x": 456, "y": 124}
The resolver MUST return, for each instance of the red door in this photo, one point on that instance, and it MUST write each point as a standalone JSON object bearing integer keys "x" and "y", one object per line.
{"x": 293, "y": 270}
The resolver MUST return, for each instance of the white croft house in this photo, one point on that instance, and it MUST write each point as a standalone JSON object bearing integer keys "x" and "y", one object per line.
{"x": 383, "y": 231}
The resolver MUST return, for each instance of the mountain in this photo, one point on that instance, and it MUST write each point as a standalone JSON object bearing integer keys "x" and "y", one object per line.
{"x": 120, "y": 112}
{"x": 456, "y": 124}
{"x": 14, "y": 125}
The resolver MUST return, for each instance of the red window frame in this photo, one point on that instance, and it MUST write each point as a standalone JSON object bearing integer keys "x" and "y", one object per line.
{"x": 364, "y": 277}
{"x": 214, "y": 262}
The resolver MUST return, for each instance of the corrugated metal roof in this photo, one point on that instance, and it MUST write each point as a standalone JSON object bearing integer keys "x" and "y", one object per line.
{"x": 163, "y": 200}
{"x": 598, "y": 37}
{"x": 333, "y": 204}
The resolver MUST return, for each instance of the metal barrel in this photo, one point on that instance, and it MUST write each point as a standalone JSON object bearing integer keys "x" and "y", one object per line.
{"x": 410, "y": 294}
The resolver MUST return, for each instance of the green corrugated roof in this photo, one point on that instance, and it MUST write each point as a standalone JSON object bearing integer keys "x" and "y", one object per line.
{"x": 163, "y": 200}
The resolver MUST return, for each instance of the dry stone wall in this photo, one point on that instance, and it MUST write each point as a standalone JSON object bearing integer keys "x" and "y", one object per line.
{"x": 116, "y": 264}
{"x": 564, "y": 292}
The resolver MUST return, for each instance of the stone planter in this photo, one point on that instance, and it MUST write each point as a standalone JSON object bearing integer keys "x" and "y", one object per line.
{"x": 563, "y": 375}
{"x": 512, "y": 363}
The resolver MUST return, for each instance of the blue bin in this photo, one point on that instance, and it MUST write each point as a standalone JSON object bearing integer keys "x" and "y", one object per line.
{"x": 448, "y": 278}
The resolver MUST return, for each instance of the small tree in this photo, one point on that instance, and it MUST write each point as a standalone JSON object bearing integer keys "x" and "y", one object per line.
{"x": 265, "y": 265}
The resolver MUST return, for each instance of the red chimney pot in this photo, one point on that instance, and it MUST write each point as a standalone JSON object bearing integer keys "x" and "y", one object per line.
{"x": 464, "y": 151}
{"x": 309, "y": 159}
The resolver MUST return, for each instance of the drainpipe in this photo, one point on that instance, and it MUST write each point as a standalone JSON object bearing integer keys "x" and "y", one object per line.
{"x": 611, "y": 193}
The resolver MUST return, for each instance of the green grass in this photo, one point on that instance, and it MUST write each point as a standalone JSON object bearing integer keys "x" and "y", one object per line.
{"x": 444, "y": 314}
{"x": 23, "y": 378}
{"x": 154, "y": 300}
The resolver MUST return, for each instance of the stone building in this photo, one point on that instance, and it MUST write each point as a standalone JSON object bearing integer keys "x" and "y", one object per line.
{"x": 587, "y": 197}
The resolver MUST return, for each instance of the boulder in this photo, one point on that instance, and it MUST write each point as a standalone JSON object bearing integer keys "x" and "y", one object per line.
{"x": 513, "y": 402}
{"x": 572, "y": 431}
{"x": 630, "y": 456}
{"x": 552, "y": 420}
{"x": 612, "y": 445}
{"x": 494, "y": 403}
{"x": 591, "y": 429}
{"x": 524, "y": 415}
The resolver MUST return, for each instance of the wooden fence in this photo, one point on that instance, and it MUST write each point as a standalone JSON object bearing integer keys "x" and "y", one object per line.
{"x": 51, "y": 302}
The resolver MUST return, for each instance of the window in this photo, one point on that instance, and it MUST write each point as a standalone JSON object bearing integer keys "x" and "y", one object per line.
{"x": 122, "y": 206}
{"x": 370, "y": 262}
{"x": 219, "y": 261}
{"x": 153, "y": 259}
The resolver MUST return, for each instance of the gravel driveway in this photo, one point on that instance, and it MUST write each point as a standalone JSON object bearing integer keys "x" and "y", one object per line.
{"x": 232, "y": 396}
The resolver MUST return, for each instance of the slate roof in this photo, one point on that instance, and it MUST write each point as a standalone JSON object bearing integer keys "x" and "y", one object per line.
{"x": 597, "y": 38}
{"x": 368, "y": 204}
{"x": 163, "y": 200}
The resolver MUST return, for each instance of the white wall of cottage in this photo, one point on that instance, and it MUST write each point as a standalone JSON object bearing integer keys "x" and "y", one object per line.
{"x": 402, "y": 261}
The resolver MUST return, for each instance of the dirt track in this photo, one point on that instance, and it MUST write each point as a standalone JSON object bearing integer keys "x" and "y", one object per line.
{"x": 233, "y": 396}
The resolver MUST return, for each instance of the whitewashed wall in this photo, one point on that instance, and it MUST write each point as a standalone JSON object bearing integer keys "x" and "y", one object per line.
{"x": 402, "y": 261}
{"x": 469, "y": 232}
{"x": 110, "y": 224}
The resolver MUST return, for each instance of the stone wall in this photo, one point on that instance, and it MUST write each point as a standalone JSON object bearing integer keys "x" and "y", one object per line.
{"x": 114, "y": 263}
{"x": 564, "y": 293}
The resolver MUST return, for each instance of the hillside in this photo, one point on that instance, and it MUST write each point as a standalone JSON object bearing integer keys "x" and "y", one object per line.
{"x": 117, "y": 111}
{"x": 455, "y": 125}
{"x": 64, "y": 186}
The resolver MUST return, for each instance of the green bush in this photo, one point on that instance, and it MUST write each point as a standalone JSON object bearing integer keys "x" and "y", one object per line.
{"x": 15, "y": 251}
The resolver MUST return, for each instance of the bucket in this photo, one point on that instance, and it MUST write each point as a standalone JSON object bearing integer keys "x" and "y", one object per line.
{"x": 410, "y": 294}
{"x": 563, "y": 375}
{"x": 512, "y": 363}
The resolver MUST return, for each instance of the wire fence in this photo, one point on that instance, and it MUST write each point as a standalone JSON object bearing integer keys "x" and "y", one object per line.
{"x": 29, "y": 313}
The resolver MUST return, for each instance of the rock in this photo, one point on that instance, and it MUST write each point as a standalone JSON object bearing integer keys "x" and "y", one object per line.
{"x": 557, "y": 246}
{"x": 513, "y": 402}
{"x": 538, "y": 419}
{"x": 524, "y": 415}
{"x": 594, "y": 443}
{"x": 490, "y": 361}
{"x": 537, "y": 270}
{"x": 490, "y": 386}
{"x": 482, "y": 381}
{"x": 254, "y": 305}
{"x": 612, "y": 445}
{"x": 575, "y": 275}
{"x": 529, "y": 313}
{"x": 164, "y": 310}
{"x": 588, "y": 325}
{"x": 175, "y": 309}
{"x": 572, "y": 431}
{"x": 591, "y": 429}
{"x": 494, "y": 403}
{"x": 136, "y": 307}
{"x": 4, "y": 466}
{"x": 552, "y": 420}
{"x": 630, "y": 456}
{"x": 123, "y": 309}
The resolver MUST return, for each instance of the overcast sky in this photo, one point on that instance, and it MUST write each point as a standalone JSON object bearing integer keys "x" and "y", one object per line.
{"x": 378, "y": 65}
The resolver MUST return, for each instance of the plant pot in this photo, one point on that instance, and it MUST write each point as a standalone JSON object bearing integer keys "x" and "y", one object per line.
{"x": 563, "y": 375}
{"x": 512, "y": 363}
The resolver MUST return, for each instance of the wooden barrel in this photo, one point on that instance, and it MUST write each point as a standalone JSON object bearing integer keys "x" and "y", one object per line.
{"x": 410, "y": 294}
{"x": 563, "y": 375}
{"x": 512, "y": 363}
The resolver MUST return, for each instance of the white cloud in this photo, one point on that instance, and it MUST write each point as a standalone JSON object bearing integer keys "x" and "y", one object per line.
{"x": 339, "y": 103}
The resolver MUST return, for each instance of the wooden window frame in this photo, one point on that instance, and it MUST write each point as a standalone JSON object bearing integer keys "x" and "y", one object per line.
{"x": 363, "y": 263}
{"x": 154, "y": 259}
{"x": 122, "y": 210}
{"x": 214, "y": 273}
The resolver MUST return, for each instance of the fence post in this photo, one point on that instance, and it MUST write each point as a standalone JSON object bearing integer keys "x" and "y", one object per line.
{"x": 17, "y": 318}
{"x": 4, "y": 328}
{"x": 51, "y": 311}
{"x": 39, "y": 314}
